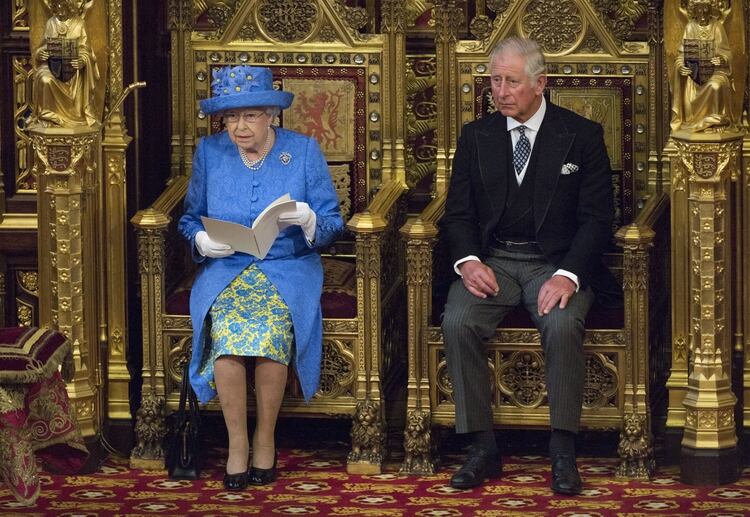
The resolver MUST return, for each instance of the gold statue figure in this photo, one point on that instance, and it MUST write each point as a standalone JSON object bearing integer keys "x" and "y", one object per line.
{"x": 66, "y": 72}
{"x": 702, "y": 86}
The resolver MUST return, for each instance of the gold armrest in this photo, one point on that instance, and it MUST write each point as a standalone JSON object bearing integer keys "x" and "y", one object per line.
{"x": 157, "y": 215}
{"x": 374, "y": 218}
{"x": 640, "y": 232}
{"x": 424, "y": 226}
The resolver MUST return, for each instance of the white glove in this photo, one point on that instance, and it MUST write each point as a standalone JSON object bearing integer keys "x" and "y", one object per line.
{"x": 302, "y": 216}
{"x": 210, "y": 248}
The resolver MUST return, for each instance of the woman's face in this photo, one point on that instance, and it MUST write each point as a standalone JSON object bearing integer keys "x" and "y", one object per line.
{"x": 248, "y": 128}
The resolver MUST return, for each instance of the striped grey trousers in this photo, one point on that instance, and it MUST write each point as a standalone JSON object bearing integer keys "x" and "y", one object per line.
{"x": 468, "y": 321}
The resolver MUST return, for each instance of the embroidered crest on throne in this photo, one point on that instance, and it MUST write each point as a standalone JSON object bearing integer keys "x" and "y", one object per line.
{"x": 324, "y": 110}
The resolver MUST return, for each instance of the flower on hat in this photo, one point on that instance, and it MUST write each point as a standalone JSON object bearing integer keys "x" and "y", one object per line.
{"x": 243, "y": 86}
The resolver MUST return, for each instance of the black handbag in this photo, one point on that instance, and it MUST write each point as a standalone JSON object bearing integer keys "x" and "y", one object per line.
{"x": 184, "y": 459}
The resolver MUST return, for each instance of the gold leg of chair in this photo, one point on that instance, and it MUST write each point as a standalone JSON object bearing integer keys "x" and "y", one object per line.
{"x": 635, "y": 450}
{"x": 418, "y": 454}
{"x": 368, "y": 439}
{"x": 150, "y": 429}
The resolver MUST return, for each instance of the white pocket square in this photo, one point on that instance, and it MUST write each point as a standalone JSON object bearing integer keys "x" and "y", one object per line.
{"x": 569, "y": 168}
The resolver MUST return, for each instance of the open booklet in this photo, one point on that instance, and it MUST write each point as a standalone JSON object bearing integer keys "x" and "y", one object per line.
{"x": 258, "y": 239}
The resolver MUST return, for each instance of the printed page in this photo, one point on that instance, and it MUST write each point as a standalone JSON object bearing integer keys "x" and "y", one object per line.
{"x": 239, "y": 237}
{"x": 256, "y": 240}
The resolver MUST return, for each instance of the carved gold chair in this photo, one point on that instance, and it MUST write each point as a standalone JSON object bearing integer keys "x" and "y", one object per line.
{"x": 602, "y": 82}
{"x": 343, "y": 91}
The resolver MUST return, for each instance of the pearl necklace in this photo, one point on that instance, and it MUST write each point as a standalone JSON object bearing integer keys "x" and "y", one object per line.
{"x": 254, "y": 165}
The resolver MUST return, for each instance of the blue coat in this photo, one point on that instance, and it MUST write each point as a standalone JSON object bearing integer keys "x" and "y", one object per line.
{"x": 222, "y": 187}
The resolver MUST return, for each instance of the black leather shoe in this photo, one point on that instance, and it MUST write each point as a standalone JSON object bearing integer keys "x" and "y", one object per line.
{"x": 565, "y": 478}
{"x": 258, "y": 476}
{"x": 480, "y": 464}
{"x": 236, "y": 481}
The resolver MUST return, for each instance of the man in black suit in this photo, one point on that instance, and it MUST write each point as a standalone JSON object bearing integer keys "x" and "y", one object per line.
{"x": 527, "y": 218}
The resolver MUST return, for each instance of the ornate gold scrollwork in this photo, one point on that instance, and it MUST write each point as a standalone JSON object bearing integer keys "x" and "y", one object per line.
{"x": 600, "y": 386}
{"x": 288, "y": 20}
{"x": 521, "y": 377}
{"x": 337, "y": 369}
{"x": 557, "y": 25}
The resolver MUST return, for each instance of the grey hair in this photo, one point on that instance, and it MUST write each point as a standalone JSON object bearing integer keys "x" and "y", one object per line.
{"x": 272, "y": 111}
{"x": 525, "y": 48}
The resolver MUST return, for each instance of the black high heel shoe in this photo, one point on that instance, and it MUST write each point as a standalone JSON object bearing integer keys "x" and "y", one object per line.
{"x": 237, "y": 481}
{"x": 258, "y": 476}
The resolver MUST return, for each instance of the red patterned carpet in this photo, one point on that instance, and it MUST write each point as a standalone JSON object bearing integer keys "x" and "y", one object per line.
{"x": 314, "y": 482}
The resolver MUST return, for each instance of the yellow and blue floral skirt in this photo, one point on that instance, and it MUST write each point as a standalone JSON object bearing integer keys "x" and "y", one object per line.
{"x": 249, "y": 318}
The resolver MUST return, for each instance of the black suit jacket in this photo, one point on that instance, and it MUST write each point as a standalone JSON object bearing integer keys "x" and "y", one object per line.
{"x": 572, "y": 212}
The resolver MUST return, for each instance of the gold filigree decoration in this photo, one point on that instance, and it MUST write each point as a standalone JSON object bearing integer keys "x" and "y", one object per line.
{"x": 26, "y": 179}
{"x": 448, "y": 20}
{"x": 600, "y": 384}
{"x": 20, "y": 16}
{"x": 24, "y": 313}
{"x": 421, "y": 119}
{"x": 621, "y": 16}
{"x": 635, "y": 450}
{"x": 28, "y": 281}
{"x": 342, "y": 182}
{"x": 248, "y": 32}
{"x": 555, "y": 25}
{"x": 337, "y": 369}
{"x": 498, "y": 6}
{"x": 481, "y": 27}
{"x": 521, "y": 377}
{"x": 287, "y": 20}
{"x": 355, "y": 17}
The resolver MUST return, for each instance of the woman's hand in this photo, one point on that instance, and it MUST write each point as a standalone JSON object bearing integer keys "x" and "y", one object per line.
{"x": 302, "y": 216}
{"x": 208, "y": 247}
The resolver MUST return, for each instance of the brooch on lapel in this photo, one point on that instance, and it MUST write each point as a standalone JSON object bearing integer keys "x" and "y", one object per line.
{"x": 285, "y": 158}
{"x": 569, "y": 168}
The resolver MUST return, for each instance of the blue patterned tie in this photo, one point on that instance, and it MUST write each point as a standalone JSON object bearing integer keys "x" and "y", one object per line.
{"x": 522, "y": 151}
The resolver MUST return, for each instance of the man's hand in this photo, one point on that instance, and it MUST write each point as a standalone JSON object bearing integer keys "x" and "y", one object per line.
{"x": 557, "y": 289}
{"x": 479, "y": 279}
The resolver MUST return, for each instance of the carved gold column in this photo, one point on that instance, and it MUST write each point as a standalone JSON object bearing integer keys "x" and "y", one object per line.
{"x": 368, "y": 421}
{"x": 67, "y": 194}
{"x": 636, "y": 448}
{"x": 148, "y": 452}
{"x": 706, "y": 162}
{"x": 420, "y": 235}
{"x": 394, "y": 66}
{"x": 113, "y": 225}
{"x": 447, "y": 18}
{"x": 743, "y": 193}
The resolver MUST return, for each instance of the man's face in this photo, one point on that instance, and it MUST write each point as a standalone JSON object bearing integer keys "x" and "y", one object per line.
{"x": 514, "y": 94}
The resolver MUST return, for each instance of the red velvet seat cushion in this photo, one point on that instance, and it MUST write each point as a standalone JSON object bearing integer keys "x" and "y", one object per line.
{"x": 29, "y": 354}
{"x": 338, "y": 299}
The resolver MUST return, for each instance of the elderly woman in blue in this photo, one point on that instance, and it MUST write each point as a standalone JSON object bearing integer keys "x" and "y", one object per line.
{"x": 241, "y": 306}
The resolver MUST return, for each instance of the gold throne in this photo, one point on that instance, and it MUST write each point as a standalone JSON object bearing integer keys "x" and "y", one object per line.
{"x": 344, "y": 83}
{"x": 593, "y": 73}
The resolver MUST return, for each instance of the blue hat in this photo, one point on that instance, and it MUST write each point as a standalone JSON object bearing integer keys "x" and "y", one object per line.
{"x": 243, "y": 87}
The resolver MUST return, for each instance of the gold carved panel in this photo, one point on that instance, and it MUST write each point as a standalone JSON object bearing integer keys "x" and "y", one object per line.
{"x": 602, "y": 105}
{"x": 342, "y": 182}
{"x": 25, "y": 175}
{"x": 324, "y": 110}
{"x": 20, "y": 16}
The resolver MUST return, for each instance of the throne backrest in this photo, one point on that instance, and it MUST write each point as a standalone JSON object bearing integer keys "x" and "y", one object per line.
{"x": 590, "y": 70}
{"x": 316, "y": 52}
